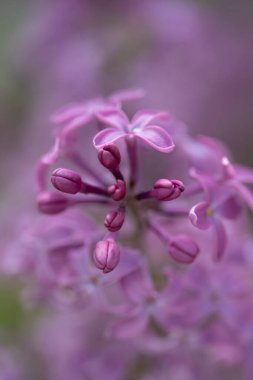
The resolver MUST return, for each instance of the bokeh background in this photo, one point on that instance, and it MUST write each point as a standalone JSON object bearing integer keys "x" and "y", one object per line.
{"x": 194, "y": 58}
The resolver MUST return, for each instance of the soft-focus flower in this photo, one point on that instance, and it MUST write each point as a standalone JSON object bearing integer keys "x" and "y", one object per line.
{"x": 219, "y": 203}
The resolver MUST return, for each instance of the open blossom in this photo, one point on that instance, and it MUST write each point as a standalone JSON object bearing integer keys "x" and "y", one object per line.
{"x": 142, "y": 126}
{"x": 220, "y": 202}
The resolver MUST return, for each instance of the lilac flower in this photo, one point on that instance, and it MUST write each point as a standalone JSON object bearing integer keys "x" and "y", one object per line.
{"x": 146, "y": 297}
{"x": 221, "y": 198}
{"x": 143, "y": 306}
{"x": 141, "y": 126}
{"x": 219, "y": 203}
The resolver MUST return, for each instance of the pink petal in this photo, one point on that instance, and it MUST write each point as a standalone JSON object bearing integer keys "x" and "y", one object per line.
{"x": 136, "y": 287}
{"x": 46, "y": 161}
{"x": 107, "y": 136}
{"x": 245, "y": 193}
{"x": 125, "y": 95}
{"x": 207, "y": 183}
{"x": 221, "y": 239}
{"x": 244, "y": 174}
{"x": 156, "y": 137}
{"x": 67, "y": 113}
{"x": 145, "y": 117}
{"x": 129, "y": 327}
{"x": 199, "y": 216}
{"x": 114, "y": 118}
{"x": 213, "y": 144}
{"x": 231, "y": 208}
{"x": 76, "y": 123}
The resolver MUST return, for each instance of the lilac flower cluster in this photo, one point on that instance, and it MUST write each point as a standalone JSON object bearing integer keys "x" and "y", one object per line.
{"x": 212, "y": 179}
{"x": 141, "y": 255}
{"x": 136, "y": 214}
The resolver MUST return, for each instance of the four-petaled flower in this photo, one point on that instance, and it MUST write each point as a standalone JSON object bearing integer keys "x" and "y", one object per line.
{"x": 141, "y": 126}
{"x": 220, "y": 202}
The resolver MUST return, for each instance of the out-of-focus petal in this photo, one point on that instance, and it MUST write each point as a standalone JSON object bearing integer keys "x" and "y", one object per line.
{"x": 67, "y": 113}
{"x": 136, "y": 287}
{"x": 215, "y": 145}
{"x": 156, "y": 137}
{"x": 128, "y": 328}
{"x": 244, "y": 174}
{"x": 114, "y": 118}
{"x": 126, "y": 95}
{"x": 207, "y": 183}
{"x": 145, "y": 117}
{"x": 221, "y": 239}
{"x": 199, "y": 216}
{"x": 45, "y": 162}
{"x": 76, "y": 123}
{"x": 107, "y": 136}
{"x": 231, "y": 208}
{"x": 245, "y": 193}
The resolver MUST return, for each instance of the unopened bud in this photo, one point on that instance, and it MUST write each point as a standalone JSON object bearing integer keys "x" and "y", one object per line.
{"x": 114, "y": 220}
{"x": 66, "y": 181}
{"x": 166, "y": 190}
{"x": 183, "y": 249}
{"x": 51, "y": 203}
{"x": 118, "y": 190}
{"x": 106, "y": 255}
{"x": 109, "y": 156}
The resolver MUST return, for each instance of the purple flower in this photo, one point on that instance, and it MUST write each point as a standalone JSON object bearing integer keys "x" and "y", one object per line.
{"x": 141, "y": 126}
{"x": 219, "y": 203}
{"x": 142, "y": 306}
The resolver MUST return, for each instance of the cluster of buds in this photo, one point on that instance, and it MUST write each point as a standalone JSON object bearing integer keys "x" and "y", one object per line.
{"x": 66, "y": 181}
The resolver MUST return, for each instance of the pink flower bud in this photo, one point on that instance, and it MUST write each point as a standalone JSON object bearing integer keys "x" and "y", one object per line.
{"x": 66, "y": 181}
{"x": 183, "y": 249}
{"x": 51, "y": 203}
{"x": 166, "y": 190}
{"x": 114, "y": 220}
{"x": 109, "y": 156}
{"x": 106, "y": 255}
{"x": 118, "y": 190}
